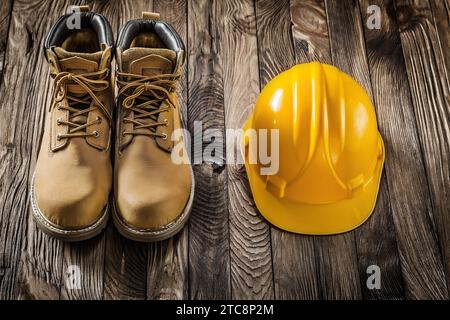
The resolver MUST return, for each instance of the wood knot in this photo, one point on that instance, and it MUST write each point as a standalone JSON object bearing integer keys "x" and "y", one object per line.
{"x": 10, "y": 146}
{"x": 405, "y": 16}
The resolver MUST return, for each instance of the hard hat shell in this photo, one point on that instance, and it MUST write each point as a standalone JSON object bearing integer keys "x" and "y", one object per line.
{"x": 331, "y": 154}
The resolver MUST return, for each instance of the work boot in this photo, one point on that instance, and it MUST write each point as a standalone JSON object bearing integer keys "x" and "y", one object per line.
{"x": 73, "y": 175}
{"x": 154, "y": 183}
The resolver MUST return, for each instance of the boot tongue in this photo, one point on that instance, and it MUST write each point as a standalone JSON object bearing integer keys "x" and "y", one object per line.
{"x": 148, "y": 61}
{"x": 78, "y": 62}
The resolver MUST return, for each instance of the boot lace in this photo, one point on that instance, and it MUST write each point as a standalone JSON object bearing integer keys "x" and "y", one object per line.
{"x": 91, "y": 83}
{"x": 144, "y": 96}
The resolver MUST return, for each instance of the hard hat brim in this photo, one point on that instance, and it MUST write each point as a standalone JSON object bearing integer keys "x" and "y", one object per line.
{"x": 317, "y": 219}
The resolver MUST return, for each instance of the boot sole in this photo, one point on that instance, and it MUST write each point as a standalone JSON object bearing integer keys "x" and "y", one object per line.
{"x": 155, "y": 234}
{"x": 70, "y": 235}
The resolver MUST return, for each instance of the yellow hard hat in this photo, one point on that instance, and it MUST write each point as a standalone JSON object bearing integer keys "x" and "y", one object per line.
{"x": 331, "y": 154}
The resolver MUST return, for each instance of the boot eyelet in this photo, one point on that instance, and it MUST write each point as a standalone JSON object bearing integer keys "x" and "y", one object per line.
{"x": 166, "y": 122}
{"x": 96, "y": 134}
{"x": 58, "y": 137}
{"x": 58, "y": 121}
{"x": 124, "y": 134}
{"x": 99, "y": 119}
{"x": 164, "y": 136}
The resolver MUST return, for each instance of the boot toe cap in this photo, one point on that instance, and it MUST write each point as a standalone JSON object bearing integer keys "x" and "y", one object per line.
{"x": 151, "y": 212}
{"x": 76, "y": 209}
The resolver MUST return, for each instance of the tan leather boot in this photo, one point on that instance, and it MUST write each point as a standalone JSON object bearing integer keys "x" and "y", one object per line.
{"x": 73, "y": 174}
{"x": 153, "y": 195}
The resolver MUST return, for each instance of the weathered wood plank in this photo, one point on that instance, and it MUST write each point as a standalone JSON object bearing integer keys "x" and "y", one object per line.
{"x": 293, "y": 256}
{"x": 275, "y": 49}
{"x": 167, "y": 268}
{"x": 384, "y": 254}
{"x": 21, "y": 126}
{"x": 441, "y": 17}
{"x": 310, "y": 31}
{"x": 132, "y": 9}
{"x": 125, "y": 267}
{"x": 336, "y": 256}
{"x": 209, "y": 260}
{"x": 167, "y": 276}
{"x": 251, "y": 265}
{"x": 5, "y": 17}
{"x": 430, "y": 91}
{"x": 387, "y": 71}
{"x": 403, "y": 166}
{"x": 338, "y": 269}
{"x": 40, "y": 268}
{"x": 376, "y": 244}
{"x": 83, "y": 269}
{"x": 125, "y": 260}
{"x": 344, "y": 20}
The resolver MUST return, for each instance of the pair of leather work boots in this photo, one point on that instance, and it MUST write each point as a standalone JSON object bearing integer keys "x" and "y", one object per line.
{"x": 74, "y": 173}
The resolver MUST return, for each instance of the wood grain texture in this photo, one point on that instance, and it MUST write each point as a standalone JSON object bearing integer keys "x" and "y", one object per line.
{"x": 387, "y": 72}
{"x": 403, "y": 166}
{"x": 209, "y": 254}
{"x": 167, "y": 268}
{"x": 293, "y": 256}
{"x": 441, "y": 15}
{"x": 167, "y": 276}
{"x": 132, "y": 9}
{"x": 21, "y": 126}
{"x": 125, "y": 275}
{"x": 346, "y": 31}
{"x": 125, "y": 267}
{"x": 5, "y": 18}
{"x": 310, "y": 31}
{"x": 40, "y": 268}
{"x": 88, "y": 258}
{"x": 338, "y": 268}
{"x": 441, "y": 19}
{"x": 275, "y": 49}
{"x": 251, "y": 260}
{"x": 376, "y": 244}
{"x": 430, "y": 92}
{"x": 346, "y": 28}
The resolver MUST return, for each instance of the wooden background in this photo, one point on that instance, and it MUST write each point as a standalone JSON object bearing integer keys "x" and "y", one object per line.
{"x": 227, "y": 250}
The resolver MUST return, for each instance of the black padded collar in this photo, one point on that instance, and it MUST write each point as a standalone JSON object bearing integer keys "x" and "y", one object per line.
{"x": 59, "y": 32}
{"x": 165, "y": 31}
